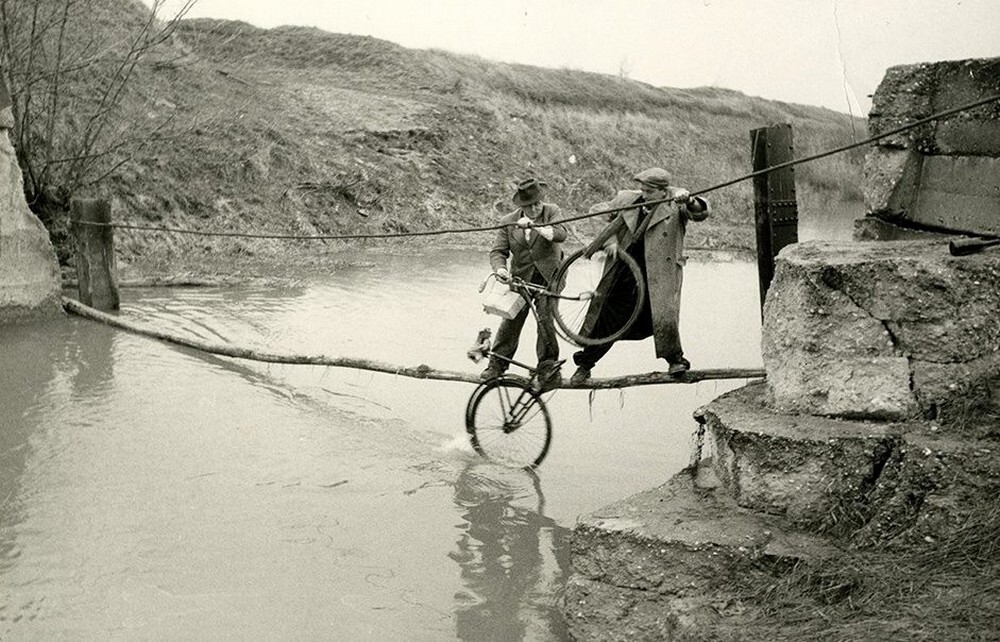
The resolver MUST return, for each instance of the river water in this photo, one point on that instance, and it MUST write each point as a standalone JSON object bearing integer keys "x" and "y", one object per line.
{"x": 151, "y": 491}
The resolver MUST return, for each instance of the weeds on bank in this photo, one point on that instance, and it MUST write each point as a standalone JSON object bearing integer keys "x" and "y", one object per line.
{"x": 945, "y": 591}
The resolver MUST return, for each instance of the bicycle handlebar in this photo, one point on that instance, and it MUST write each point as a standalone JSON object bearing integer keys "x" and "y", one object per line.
{"x": 517, "y": 283}
{"x": 513, "y": 281}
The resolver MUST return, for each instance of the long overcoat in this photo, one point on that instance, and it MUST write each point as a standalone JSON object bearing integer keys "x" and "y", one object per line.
{"x": 664, "y": 260}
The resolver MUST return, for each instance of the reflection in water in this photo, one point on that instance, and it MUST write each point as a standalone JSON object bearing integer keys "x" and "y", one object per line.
{"x": 147, "y": 491}
{"x": 94, "y": 361}
{"x": 44, "y": 365}
{"x": 29, "y": 367}
{"x": 514, "y": 559}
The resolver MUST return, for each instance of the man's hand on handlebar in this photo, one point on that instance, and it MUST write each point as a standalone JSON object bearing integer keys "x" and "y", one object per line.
{"x": 503, "y": 274}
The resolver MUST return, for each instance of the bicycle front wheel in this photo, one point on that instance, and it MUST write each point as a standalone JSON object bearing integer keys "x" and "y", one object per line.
{"x": 576, "y": 308}
{"x": 508, "y": 423}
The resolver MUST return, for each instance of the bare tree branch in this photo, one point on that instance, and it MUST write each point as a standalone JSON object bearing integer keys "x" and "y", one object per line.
{"x": 69, "y": 83}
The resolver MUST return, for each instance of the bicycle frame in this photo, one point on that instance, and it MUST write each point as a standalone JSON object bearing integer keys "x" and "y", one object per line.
{"x": 485, "y": 351}
{"x": 576, "y": 290}
{"x": 527, "y": 290}
{"x": 517, "y": 283}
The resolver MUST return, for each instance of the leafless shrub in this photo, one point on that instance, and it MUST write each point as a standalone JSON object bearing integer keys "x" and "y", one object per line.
{"x": 69, "y": 65}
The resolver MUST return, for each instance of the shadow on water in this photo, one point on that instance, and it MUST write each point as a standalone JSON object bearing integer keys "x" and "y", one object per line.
{"x": 37, "y": 356}
{"x": 512, "y": 556}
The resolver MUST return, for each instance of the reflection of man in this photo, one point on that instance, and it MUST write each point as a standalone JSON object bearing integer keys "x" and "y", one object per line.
{"x": 500, "y": 552}
{"x": 654, "y": 236}
{"x": 530, "y": 242}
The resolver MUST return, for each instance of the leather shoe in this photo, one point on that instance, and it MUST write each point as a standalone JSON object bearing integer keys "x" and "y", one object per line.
{"x": 679, "y": 367}
{"x": 581, "y": 375}
{"x": 548, "y": 382}
{"x": 491, "y": 372}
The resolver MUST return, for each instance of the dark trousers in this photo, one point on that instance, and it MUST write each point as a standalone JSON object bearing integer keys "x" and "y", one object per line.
{"x": 614, "y": 313}
{"x": 509, "y": 333}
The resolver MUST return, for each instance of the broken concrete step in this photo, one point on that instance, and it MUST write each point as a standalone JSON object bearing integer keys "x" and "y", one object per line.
{"x": 932, "y": 488}
{"x": 655, "y": 565}
{"x": 805, "y": 467}
{"x": 878, "y": 482}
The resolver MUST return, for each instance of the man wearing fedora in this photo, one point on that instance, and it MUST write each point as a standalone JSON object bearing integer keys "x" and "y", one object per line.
{"x": 652, "y": 232}
{"x": 530, "y": 242}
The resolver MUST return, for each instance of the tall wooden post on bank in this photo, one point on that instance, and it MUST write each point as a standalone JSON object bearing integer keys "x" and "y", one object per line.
{"x": 95, "y": 253}
{"x": 775, "y": 209}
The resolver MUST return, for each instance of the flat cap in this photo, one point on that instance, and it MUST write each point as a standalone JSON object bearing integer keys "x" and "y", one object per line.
{"x": 654, "y": 177}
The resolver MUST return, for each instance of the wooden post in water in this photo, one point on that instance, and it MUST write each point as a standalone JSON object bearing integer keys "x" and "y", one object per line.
{"x": 95, "y": 253}
{"x": 775, "y": 209}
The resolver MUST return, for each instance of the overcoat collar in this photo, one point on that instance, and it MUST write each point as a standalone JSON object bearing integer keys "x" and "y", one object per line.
{"x": 661, "y": 211}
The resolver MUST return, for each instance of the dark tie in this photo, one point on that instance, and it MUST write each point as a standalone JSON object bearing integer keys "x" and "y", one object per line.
{"x": 645, "y": 214}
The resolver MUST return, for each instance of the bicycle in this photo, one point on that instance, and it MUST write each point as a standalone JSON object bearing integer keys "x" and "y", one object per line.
{"x": 578, "y": 280}
{"x": 506, "y": 417}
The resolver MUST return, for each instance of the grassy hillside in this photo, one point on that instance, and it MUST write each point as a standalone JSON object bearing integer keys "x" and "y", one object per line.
{"x": 298, "y": 131}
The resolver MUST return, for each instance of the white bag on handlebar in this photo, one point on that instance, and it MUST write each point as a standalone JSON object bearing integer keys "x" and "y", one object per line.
{"x": 500, "y": 300}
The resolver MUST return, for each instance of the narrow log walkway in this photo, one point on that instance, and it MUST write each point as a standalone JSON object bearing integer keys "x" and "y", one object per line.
{"x": 417, "y": 372}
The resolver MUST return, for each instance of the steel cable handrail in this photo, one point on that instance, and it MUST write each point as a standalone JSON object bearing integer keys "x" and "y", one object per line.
{"x": 570, "y": 219}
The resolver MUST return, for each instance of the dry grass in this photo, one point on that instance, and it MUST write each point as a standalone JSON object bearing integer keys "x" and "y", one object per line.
{"x": 945, "y": 591}
{"x": 295, "y": 130}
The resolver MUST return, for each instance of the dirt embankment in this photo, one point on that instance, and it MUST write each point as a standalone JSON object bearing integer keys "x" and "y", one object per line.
{"x": 303, "y": 132}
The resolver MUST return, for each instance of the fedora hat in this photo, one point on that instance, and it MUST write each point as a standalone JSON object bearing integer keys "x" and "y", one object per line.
{"x": 654, "y": 177}
{"x": 529, "y": 192}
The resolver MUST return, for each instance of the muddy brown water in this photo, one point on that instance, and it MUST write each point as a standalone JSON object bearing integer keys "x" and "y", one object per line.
{"x": 154, "y": 492}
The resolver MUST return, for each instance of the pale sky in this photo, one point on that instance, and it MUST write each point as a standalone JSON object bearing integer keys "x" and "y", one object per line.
{"x": 831, "y": 53}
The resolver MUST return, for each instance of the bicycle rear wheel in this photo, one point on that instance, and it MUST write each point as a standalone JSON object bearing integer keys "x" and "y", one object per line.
{"x": 580, "y": 295}
{"x": 508, "y": 423}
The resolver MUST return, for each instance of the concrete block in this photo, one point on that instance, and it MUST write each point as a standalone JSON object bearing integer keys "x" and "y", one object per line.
{"x": 813, "y": 470}
{"x": 943, "y": 174}
{"x": 883, "y": 483}
{"x": 654, "y": 565}
{"x": 29, "y": 272}
{"x": 849, "y": 328}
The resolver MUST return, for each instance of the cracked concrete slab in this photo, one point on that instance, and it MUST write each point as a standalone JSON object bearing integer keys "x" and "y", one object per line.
{"x": 933, "y": 487}
{"x": 881, "y": 330}
{"x": 885, "y": 483}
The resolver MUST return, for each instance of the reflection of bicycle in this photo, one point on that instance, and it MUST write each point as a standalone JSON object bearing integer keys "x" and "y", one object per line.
{"x": 513, "y": 558}
{"x": 506, "y": 417}
{"x": 583, "y": 286}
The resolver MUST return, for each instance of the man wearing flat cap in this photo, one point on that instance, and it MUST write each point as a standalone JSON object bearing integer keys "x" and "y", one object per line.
{"x": 652, "y": 232}
{"x": 530, "y": 241}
